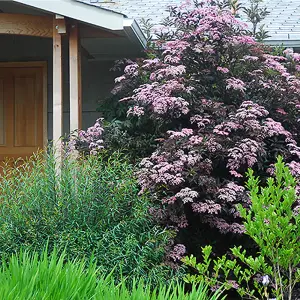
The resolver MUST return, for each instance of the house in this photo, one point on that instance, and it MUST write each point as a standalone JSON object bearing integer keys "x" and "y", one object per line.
{"x": 54, "y": 64}
{"x": 56, "y": 54}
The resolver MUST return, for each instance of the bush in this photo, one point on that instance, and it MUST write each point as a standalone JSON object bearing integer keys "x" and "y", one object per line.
{"x": 217, "y": 102}
{"x": 31, "y": 276}
{"x": 92, "y": 207}
{"x": 272, "y": 225}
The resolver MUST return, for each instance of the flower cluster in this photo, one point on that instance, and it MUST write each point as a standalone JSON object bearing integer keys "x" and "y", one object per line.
{"x": 178, "y": 252}
{"x": 90, "y": 141}
{"x": 162, "y": 99}
{"x": 235, "y": 84}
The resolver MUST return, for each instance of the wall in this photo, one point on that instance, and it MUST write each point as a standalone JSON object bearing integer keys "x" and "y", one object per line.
{"x": 97, "y": 80}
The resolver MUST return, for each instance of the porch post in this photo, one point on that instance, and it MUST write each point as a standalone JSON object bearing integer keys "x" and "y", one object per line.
{"x": 75, "y": 78}
{"x": 58, "y": 28}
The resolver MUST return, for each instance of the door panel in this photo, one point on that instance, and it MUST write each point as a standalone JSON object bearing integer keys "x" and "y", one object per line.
{"x": 26, "y": 111}
{"x": 21, "y": 111}
{"x": 2, "y": 127}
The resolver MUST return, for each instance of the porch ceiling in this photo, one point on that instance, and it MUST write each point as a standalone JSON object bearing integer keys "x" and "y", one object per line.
{"x": 110, "y": 48}
{"x": 104, "y": 34}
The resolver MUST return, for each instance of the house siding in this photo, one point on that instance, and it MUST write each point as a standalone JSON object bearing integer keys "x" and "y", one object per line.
{"x": 97, "y": 80}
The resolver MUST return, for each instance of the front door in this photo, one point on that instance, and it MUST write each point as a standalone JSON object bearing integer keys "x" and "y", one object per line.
{"x": 21, "y": 111}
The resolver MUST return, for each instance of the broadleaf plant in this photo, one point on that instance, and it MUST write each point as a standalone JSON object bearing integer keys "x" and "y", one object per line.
{"x": 273, "y": 225}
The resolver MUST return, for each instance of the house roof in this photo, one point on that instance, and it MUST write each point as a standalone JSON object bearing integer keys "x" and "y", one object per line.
{"x": 283, "y": 22}
{"x": 138, "y": 9}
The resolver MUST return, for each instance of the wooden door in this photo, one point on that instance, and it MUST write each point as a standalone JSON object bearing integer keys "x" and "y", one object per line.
{"x": 21, "y": 112}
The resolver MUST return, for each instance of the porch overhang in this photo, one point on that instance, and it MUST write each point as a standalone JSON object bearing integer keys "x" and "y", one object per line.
{"x": 78, "y": 11}
{"x": 134, "y": 32}
{"x": 98, "y": 17}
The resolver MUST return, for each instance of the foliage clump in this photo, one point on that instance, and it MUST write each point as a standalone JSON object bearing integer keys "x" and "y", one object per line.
{"x": 274, "y": 227}
{"x": 91, "y": 208}
{"x": 29, "y": 276}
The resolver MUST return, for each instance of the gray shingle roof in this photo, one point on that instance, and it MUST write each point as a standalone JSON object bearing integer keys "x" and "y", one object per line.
{"x": 283, "y": 22}
{"x": 155, "y": 10}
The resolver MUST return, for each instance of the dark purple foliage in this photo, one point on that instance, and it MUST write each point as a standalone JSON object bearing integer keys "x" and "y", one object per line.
{"x": 227, "y": 104}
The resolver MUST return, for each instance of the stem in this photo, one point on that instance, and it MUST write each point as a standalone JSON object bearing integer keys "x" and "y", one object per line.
{"x": 290, "y": 282}
{"x": 254, "y": 28}
{"x": 266, "y": 293}
{"x": 280, "y": 280}
{"x": 276, "y": 278}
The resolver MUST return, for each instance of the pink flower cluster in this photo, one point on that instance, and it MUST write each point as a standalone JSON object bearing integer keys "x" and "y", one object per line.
{"x": 136, "y": 111}
{"x": 160, "y": 98}
{"x": 235, "y": 84}
{"x": 90, "y": 141}
{"x": 231, "y": 192}
{"x": 187, "y": 195}
{"x": 224, "y": 226}
{"x": 244, "y": 153}
{"x": 178, "y": 252}
{"x": 222, "y": 70}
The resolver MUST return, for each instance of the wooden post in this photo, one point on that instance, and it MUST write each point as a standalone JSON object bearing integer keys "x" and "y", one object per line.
{"x": 58, "y": 28}
{"x": 75, "y": 78}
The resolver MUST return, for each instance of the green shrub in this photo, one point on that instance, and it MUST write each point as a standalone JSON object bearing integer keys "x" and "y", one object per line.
{"x": 273, "y": 224}
{"x": 30, "y": 276}
{"x": 93, "y": 207}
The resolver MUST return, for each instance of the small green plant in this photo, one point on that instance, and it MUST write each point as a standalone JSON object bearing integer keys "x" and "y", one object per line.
{"x": 30, "y": 276}
{"x": 273, "y": 225}
{"x": 256, "y": 13}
